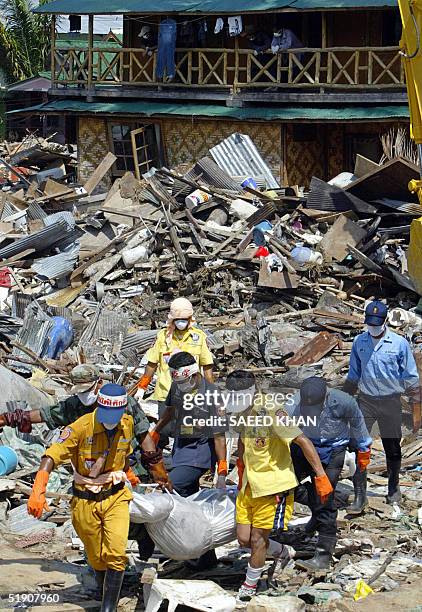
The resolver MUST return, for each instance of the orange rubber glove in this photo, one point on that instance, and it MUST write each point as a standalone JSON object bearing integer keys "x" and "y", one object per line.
{"x": 144, "y": 382}
{"x": 160, "y": 475}
{"x": 222, "y": 467}
{"x": 364, "y": 458}
{"x": 240, "y": 469}
{"x": 323, "y": 487}
{"x": 37, "y": 502}
{"x": 132, "y": 477}
{"x": 155, "y": 436}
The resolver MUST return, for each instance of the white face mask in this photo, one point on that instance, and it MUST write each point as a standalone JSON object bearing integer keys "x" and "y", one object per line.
{"x": 376, "y": 330}
{"x": 110, "y": 426}
{"x": 187, "y": 385}
{"x": 88, "y": 398}
{"x": 181, "y": 324}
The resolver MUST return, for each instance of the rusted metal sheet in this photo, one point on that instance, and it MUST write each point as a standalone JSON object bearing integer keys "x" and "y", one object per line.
{"x": 314, "y": 350}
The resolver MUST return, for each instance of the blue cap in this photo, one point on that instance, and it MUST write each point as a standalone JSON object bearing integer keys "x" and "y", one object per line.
{"x": 111, "y": 403}
{"x": 313, "y": 391}
{"x": 375, "y": 313}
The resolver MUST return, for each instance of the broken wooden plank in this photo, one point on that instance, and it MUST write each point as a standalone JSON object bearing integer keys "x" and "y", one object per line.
{"x": 99, "y": 173}
{"x": 389, "y": 180}
{"x": 276, "y": 280}
{"x": 314, "y": 350}
{"x": 364, "y": 166}
{"x": 339, "y": 316}
{"x": 344, "y": 231}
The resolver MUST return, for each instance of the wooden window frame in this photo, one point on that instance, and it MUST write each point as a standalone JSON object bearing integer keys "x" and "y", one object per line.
{"x": 133, "y": 127}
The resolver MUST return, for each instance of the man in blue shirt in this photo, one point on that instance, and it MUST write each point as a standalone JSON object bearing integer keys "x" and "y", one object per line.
{"x": 330, "y": 419}
{"x": 382, "y": 368}
{"x": 198, "y": 445}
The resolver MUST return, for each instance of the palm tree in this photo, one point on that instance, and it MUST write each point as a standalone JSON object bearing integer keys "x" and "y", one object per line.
{"x": 24, "y": 38}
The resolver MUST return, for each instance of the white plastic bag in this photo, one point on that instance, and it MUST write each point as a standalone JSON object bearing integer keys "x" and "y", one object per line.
{"x": 186, "y": 528}
{"x": 185, "y": 534}
{"x": 219, "y": 506}
{"x": 150, "y": 508}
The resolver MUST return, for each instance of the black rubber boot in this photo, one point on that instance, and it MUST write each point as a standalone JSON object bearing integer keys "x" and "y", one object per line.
{"x": 393, "y": 469}
{"x": 99, "y": 579}
{"x": 360, "y": 501}
{"x": 322, "y": 557}
{"x": 112, "y": 585}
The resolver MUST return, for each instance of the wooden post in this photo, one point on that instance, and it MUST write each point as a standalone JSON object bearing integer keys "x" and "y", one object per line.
{"x": 90, "y": 54}
{"x": 236, "y": 66}
{"x": 53, "y": 50}
{"x": 323, "y": 40}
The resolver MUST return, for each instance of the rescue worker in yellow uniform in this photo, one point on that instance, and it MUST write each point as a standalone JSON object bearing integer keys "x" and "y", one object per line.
{"x": 180, "y": 334}
{"x": 98, "y": 445}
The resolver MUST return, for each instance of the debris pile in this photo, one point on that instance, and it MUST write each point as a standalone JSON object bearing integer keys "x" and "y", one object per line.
{"x": 278, "y": 279}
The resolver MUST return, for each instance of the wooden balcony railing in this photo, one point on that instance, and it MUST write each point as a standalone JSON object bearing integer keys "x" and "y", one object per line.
{"x": 368, "y": 68}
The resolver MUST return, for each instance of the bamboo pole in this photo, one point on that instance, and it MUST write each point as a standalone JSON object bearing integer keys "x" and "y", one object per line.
{"x": 90, "y": 53}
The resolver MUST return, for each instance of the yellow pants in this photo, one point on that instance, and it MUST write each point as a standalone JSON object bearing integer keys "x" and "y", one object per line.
{"x": 265, "y": 512}
{"x": 103, "y": 528}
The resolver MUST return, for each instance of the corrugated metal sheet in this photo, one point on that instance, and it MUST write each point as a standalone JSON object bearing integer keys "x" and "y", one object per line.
{"x": 323, "y": 196}
{"x": 64, "y": 215}
{"x": 9, "y": 326}
{"x": 57, "y": 266}
{"x": 33, "y": 334}
{"x": 57, "y": 233}
{"x": 20, "y": 303}
{"x": 34, "y": 212}
{"x": 8, "y": 209}
{"x": 410, "y": 208}
{"x": 111, "y": 325}
{"x": 237, "y": 154}
{"x": 139, "y": 341}
{"x": 207, "y": 171}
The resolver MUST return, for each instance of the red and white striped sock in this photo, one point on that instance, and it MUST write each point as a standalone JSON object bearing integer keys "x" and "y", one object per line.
{"x": 253, "y": 574}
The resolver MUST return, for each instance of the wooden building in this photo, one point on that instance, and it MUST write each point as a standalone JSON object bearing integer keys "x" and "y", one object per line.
{"x": 309, "y": 108}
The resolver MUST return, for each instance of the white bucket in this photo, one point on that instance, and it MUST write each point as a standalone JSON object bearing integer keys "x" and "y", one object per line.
{"x": 132, "y": 256}
{"x": 197, "y": 197}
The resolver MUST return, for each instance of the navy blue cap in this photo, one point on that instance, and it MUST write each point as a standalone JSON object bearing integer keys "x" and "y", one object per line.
{"x": 375, "y": 313}
{"x": 313, "y": 391}
{"x": 111, "y": 403}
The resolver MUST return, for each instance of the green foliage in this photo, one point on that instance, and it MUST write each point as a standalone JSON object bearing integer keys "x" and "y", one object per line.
{"x": 24, "y": 39}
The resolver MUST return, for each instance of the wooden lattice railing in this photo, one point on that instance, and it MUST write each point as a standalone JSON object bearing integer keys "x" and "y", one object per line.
{"x": 336, "y": 67}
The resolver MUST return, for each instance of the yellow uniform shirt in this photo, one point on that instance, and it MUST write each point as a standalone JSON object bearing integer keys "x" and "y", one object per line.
{"x": 267, "y": 459}
{"x": 193, "y": 341}
{"x": 85, "y": 440}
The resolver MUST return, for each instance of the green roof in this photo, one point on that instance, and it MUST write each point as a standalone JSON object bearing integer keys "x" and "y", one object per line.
{"x": 267, "y": 113}
{"x": 220, "y": 7}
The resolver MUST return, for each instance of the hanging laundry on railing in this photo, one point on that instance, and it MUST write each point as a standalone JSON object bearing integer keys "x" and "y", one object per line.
{"x": 219, "y": 25}
{"x": 166, "y": 49}
{"x": 235, "y": 25}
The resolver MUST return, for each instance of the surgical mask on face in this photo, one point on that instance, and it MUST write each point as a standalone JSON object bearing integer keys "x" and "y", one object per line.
{"x": 181, "y": 324}
{"x": 88, "y": 398}
{"x": 110, "y": 426}
{"x": 376, "y": 330}
{"x": 187, "y": 385}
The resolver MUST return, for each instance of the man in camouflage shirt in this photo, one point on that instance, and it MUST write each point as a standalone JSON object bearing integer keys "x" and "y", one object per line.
{"x": 86, "y": 384}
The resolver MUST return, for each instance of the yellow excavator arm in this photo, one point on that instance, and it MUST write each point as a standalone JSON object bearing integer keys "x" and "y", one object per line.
{"x": 411, "y": 51}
